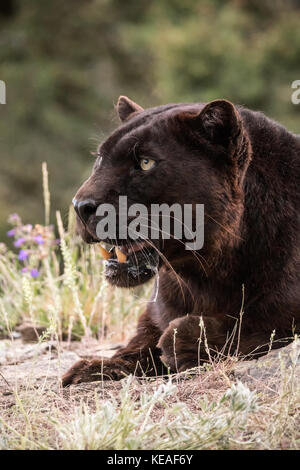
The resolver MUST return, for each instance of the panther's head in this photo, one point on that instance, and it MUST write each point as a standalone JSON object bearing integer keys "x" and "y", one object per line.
{"x": 173, "y": 154}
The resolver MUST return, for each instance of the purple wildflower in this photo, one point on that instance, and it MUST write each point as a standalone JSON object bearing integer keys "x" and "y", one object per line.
{"x": 27, "y": 228}
{"x": 22, "y": 255}
{"x": 14, "y": 219}
{"x": 24, "y": 270}
{"x": 19, "y": 242}
{"x": 11, "y": 233}
{"x": 39, "y": 240}
{"x": 34, "y": 273}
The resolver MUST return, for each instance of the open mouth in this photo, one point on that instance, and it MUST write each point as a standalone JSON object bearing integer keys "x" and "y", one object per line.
{"x": 130, "y": 264}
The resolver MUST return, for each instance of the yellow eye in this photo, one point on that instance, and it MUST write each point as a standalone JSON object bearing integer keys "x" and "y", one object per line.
{"x": 146, "y": 164}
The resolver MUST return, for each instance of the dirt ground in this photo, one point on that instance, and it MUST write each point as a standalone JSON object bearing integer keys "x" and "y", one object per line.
{"x": 25, "y": 367}
{"x": 30, "y": 379}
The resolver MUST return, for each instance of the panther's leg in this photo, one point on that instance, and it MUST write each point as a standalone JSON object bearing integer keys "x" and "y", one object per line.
{"x": 184, "y": 342}
{"x": 190, "y": 341}
{"x": 140, "y": 357}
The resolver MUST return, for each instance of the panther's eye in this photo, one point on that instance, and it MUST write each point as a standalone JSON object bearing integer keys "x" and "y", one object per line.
{"x": 146, "y": 163}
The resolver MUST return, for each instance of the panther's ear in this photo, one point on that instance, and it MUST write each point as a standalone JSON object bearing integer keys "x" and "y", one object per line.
{"x": 218, "y": 122}
{"x": 126, "y": 108}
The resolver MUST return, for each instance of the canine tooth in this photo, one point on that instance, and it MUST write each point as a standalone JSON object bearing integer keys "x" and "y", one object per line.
{"x": 104, "y": 252}
{"x": 121, "y": 257}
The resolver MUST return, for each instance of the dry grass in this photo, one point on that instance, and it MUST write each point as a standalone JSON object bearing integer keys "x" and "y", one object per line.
{"x": 207, "y": 408}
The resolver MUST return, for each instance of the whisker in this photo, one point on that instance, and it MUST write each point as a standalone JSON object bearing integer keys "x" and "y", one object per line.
{"x": 179, "y": 279}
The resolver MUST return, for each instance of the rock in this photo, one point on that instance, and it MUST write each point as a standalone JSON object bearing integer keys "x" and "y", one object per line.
{"x": 4, "y": 334}
{"x": 30, "y": 332}
{"x": 268, "y": 370}
{"x": 16, "y": 352}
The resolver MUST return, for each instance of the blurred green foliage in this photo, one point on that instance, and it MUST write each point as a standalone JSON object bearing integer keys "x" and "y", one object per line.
{"x": 66, "y": 63}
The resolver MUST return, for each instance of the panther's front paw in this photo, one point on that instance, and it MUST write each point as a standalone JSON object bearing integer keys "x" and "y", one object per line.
{"x": 179, "y": 344}
{"x": 95, "y": 370}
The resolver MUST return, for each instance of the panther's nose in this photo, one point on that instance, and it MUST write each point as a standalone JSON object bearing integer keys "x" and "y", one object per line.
{"x": 84, "y": 209}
